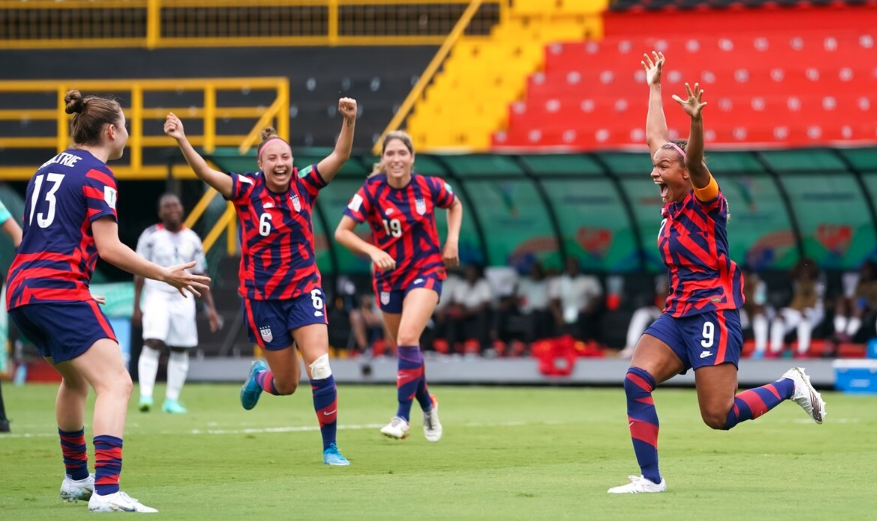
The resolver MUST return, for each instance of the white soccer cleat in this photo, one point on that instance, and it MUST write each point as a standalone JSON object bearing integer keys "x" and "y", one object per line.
{"x": 640, "y": 485}
{"x": 432, "y": 427}
{"x": 805, "y": 395}
{"x": 397, "y": 428}
{"x": 73, "y": 490}
{"x": 117, "y": 502}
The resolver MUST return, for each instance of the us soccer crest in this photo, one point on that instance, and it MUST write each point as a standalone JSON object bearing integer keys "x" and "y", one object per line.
{"x": 265, "y": 331}
{"x": 296, "y": 202}
{"x": 385, "y": 297}
{"x": 420, "y": 206}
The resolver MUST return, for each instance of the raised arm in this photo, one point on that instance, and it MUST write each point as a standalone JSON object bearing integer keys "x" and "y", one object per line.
{"x": 332, "y": 163}
{"x": 112, "y": 250}
{"x": 346, "y": 237}
{"x": 657, "y": 132}
{"x": 221, "y": 182}
{"x": 451, "y": 251}
{"x": 693, "y": 106}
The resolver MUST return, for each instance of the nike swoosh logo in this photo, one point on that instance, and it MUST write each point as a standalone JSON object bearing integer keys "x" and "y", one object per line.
{"x": 630, "y": 424}
{"x": 330, "y": 413}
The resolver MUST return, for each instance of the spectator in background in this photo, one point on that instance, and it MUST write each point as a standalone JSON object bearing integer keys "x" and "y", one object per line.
{"x": 645, "y": 315}
{"x": 439, "y": 327}
{"x": 804, "y": 312}
{"x": 576, "y": 302}
{"x": 859, "y": 298}
{"x": 754, "y": 311}
{"x": 468, "y": 312}
{"x": 366, "y": 322}
{"x": 168, "y": 319}
{"x": 534, "y": 303}
{"x": 13, "y": 230}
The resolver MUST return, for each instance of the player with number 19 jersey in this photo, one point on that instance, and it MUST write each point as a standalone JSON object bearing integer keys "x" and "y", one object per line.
{"x": 403, "y": 225}
{"x": 277, "y": 237}
{"x": 57, "y": 255}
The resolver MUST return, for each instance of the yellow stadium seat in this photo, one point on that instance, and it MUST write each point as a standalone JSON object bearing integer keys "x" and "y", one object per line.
{"x": 469, "y": 99}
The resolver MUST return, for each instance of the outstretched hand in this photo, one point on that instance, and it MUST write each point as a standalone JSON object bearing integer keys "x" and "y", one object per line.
{"x": 178, "y": 277}
{"x": 653, "y": 66}
{"x": 693, "y": 105}
{"x": 173, "y": 127}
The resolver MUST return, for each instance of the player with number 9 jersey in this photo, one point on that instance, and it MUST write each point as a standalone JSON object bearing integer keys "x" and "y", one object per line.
{"x": 283, "y": 301}
{"x": 700, "y": 326}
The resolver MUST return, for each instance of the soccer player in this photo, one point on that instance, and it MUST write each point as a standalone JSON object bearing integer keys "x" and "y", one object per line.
{"x": 700, "y": 326}
{"x": 69, "y": 219}
{"x": 409, "y": 264}
{"x": 280, "y": 282}
{"x": 13, "y": 230}
{"x": 168, "y": 320}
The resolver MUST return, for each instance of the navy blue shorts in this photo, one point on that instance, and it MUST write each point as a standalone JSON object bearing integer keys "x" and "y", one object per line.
{"x": 63, "y": 331}
{"x": 704, "y": 340}
{"x": 391, "y": 301}
{"x": 270, "y": 323}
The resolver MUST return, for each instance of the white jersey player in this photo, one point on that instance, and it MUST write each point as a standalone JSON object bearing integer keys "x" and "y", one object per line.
{"x": 168, "y": 319}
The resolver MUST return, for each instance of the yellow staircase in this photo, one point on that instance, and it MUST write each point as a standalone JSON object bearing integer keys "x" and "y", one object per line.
{"x": 469, "y": 99}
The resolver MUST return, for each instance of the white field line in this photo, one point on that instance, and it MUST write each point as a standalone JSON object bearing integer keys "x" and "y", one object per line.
{"x": 275, "y": 430}
{"x": 311, "y": 428}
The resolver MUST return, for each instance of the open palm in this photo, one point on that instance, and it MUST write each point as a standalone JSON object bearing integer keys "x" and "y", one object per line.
{"x": 694, "y": 104}
{"x": 653, "y": 66}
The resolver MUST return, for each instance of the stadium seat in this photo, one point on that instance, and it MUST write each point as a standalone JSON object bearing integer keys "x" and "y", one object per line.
{"x": 779, "y": 87}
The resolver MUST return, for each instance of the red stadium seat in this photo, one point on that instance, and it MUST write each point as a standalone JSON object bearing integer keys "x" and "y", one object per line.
{"x": 781, "y": 87}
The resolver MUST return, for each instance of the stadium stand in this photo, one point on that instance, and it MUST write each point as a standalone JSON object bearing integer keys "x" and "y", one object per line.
{"x": 793, "y": 83}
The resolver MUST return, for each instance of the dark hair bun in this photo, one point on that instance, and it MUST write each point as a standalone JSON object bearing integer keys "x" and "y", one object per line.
{"x": 73, "y": 99}
{"x": 268, "y": 133}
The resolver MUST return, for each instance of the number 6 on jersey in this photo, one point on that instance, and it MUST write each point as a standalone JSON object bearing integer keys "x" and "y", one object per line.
{"x": 265, "y": 224}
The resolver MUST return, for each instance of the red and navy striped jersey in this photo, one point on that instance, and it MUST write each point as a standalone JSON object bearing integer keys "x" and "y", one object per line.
{"x": 402, "y": 222}
{"x": 693, "y": 243}
{"x": 277, "y": 235}
{"x": 57, "y": 254}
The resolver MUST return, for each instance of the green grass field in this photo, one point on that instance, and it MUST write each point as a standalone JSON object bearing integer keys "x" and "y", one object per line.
{"x": 507, "y": 454}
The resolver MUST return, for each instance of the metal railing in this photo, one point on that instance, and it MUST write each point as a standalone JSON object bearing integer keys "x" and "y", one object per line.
{"x": 143, "y": 100}
{"x": 426, "y": 78}
{"x": 36, "y": 24}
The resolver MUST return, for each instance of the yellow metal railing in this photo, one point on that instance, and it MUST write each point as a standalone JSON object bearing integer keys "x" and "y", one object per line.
{"x": 145, "y": 117}
{"x": 226, "y": 222}
{"x": 431, "y": 69}
{"x": 35, "y": 24}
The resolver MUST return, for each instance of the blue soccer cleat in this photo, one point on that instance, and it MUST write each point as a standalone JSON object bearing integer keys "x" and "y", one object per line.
{"x": 250, "y": 391}
{"x": 332, "y": 456}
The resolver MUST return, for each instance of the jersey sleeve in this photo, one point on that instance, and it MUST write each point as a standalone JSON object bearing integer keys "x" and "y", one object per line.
{"x": 199, "y": 257}
{"x": 711, "y": 200}
{"x": 4, "y": 213}
{"x": 359, "y": 206}
{"x": 312, "y": 179}
{"x": 442, "y": 193}
{"x": 241, "y": 187}
{"x": 144, "y": 245}
{"x": 99, "y": 187}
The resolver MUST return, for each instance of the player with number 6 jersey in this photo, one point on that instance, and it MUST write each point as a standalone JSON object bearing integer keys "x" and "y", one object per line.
{"x": 409, "y": 264}
{"x": 700, "y": 326}
{"x": 284, "y": 305}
